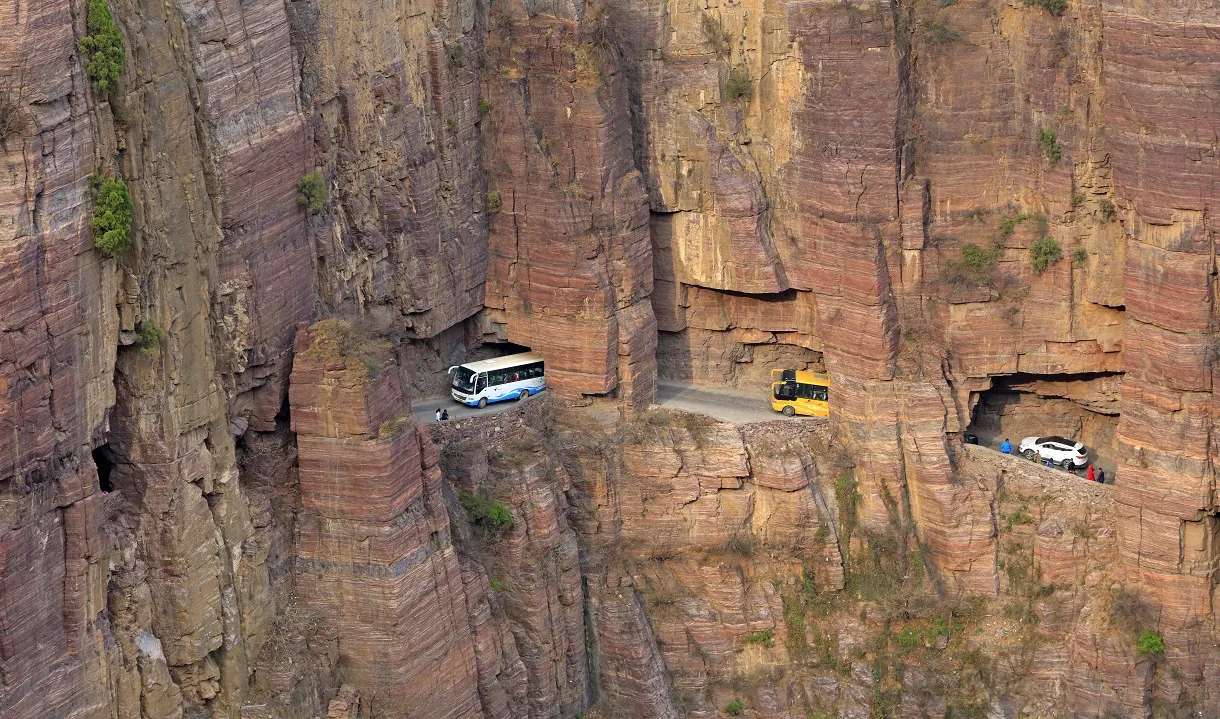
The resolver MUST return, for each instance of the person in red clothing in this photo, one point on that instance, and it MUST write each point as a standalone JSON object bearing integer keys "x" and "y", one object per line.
{"x": 1091, "y": 479}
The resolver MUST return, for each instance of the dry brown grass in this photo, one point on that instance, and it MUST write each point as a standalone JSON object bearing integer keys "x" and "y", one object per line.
{"x": 337, "y": 340}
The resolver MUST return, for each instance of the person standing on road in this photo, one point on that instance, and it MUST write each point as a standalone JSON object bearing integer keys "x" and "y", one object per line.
{"x": 1091, "y": 478}
{"x": 1101, "y": 476}
{"x": 438, "y": 414}
{"x": 1006, "y": 446}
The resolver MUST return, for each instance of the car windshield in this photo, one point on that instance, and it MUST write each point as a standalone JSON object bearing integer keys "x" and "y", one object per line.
{"x": 463, "y": 379}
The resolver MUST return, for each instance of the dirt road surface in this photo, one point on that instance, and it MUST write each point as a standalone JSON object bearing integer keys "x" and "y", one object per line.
{"x": 725, "y": 405}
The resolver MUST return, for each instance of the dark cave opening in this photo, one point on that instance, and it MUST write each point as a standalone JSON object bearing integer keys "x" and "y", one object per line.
{"x": 500, "y": 349}
{"x": 103, "y": 459}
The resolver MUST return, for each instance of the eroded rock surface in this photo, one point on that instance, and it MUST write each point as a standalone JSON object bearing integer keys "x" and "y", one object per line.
{"x": 635, "y": 189}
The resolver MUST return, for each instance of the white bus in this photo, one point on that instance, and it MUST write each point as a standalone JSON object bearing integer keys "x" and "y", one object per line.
{"x": 498, "y": 379}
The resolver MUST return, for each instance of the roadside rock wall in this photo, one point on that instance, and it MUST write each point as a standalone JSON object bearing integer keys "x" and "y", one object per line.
{"x": 570, "y": 270}
{"x": 374, "y": 559}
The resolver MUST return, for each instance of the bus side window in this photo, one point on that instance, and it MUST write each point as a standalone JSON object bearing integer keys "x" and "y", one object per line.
{"x": 819, "y": 393}
{"x": 481, "y": 383}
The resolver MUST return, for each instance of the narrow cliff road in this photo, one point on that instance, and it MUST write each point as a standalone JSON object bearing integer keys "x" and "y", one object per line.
{"x": 725, "y": 405}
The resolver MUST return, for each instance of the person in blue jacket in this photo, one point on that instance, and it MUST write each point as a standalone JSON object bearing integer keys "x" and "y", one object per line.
{"x": 1006, "y": 446}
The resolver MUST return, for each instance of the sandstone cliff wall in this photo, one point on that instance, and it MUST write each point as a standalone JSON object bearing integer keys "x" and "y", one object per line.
{"x": 635, "y": 189}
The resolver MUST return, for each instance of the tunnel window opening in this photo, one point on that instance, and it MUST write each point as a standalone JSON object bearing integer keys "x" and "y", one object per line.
{"x": 500, "y": 349}
{"x": 104, "y": 460}
{"x": 1078, "y": 407}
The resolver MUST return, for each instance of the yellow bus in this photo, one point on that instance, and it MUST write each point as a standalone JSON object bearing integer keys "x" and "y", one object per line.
{"x": 798, "y": 392}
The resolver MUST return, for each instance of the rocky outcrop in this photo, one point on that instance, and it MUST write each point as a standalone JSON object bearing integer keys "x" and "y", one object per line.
{"x": 570, "y": 269}
{"x": 416, "y": 629}
{"x": 534, "y": 565}
{"x": 733, "y": 565}
{"x": 395, "y": 128}
{"x": 633, "y": 189}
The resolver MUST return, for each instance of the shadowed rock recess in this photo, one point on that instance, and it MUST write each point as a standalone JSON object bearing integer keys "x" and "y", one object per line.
{"x": 992, "y": 216}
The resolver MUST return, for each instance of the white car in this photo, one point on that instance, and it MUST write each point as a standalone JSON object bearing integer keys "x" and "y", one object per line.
{"x": 1066, "y": 453}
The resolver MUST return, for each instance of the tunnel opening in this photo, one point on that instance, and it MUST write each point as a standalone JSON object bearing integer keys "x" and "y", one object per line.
{"x": 104, "y": 461}
{"x": 487, "y": 350}
{"x": 1083, "y": 407}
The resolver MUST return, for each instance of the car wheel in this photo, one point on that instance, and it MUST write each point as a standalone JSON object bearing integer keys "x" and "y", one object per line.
{"x": 1029, "y": 454}
{"x": 1068, "y": 465}
{"x": 482, "y": 402}
{"x": 788, "y": 411}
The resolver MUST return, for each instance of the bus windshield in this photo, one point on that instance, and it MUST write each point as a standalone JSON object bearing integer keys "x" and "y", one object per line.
{"x": 463, "y": 379}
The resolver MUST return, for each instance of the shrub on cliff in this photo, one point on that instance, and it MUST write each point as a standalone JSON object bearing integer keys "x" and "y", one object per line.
{"x": 456, "y": 55}
{"x": 112, "y": 215}
{"x": 847, "y": 499}
{"x": 733, "y": 708}
{"x": 491, "y": 517}
{"x": 1044, "y": 253}
{"x": 600, "y": 31}
{"x": 765, "y": 638}
{"x": 311, "y": 192}
{"x": 1149, "y": 643}
{"x": 1050, "y": 144}
{"x": 494, "y": 203}
{"x": 1054, "y": 7}
{"x": 940, "y": 33}
{"x": 1108, "y": 210}
{"x": 102, "y": 48}
{"x": 974, "y": 267}
{"x": 149, "y": 337}
{"x": 739, "y": 87}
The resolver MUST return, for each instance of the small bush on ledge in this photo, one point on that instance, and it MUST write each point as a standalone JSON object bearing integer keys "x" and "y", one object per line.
{"x": 102, "y": 48}
{"x": 112, "y": 215}
{"x": 733, "y": 708}
{"x": 1044, "y": 253}
{"x": 490, "y": 516}
{"x": 311, "y": 192}
{"x": 765, "y": 638}
{"x": 940, "y": 33}
{"x": 1149, "y": 643}
{"x": 149, "y": 337}
{"x": 739, "y": 87}
{"x": 1054, "y": 7}
{"x": 494, "y": 202}
{"x": 1050, "y": 145}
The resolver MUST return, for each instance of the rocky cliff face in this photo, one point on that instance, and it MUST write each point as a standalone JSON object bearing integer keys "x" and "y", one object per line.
{"x": 974, "y": 215}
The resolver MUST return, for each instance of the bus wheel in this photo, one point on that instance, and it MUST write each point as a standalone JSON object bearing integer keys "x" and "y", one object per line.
{"x": 788, "y": 410}
{"x": 482, "y": 402}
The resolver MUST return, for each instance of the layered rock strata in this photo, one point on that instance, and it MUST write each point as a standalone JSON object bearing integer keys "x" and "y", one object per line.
{"x": 416, "y": 628}
{"x": 570, "y": 270}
